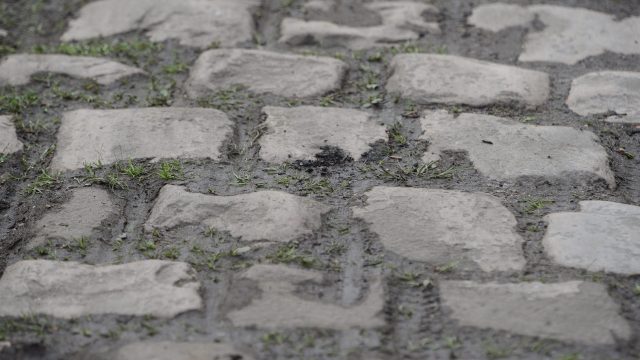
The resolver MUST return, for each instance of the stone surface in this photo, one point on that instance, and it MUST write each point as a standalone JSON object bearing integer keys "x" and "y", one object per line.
{"x": 401, "y": 21}
{"x": 515, "y": 149}
{"x": 9, "y": 142}
{"x": 499, "y": 16}
{"x": 71, "y": 290}
{"x": 262, "y": 215}
{"x": 198, "y": 23}
{"x": 166, "y": 350}
{"x": 571, "y": 311}
{"x": 444, "y": 226}
{"x": 319, "y": 5}
{"x": 602, "y": 236}
{"x": 265, "y": 72}
{"x": 569, "y": 34}
{"x": 86, "y": 136}
{"x": 604, "y": 91}
{"x": 279, "y": 306}
{"x": 18, "y": 69}
{"x": 3, "y": 33}
{"x": 84, "y": 212}
{"x": 448, "y": 79}
{"x": 300, "y": 133}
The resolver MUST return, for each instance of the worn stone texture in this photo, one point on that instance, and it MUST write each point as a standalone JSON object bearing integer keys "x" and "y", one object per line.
{"x": 401, "y": 21}
{"x": 300, "y": 133}
{"x": 444, "y": 226}
{"x": 449, "y": 79}
{"x": 71, "y": 290}
{"x": 79, "y": 217}
{"x": 278, "y": 306}
{"x": 168, "y": 350}
{"x": 604, "y": 91}
{"x": 515, "y": 149}
{"x": 265, "y": 72}
{"x": 262, "y": 215}
{"x": 574, "y": 311}
{"x": 17, "y": 69}
{"x": 9, "y": 142}
{"x": 569, "y": 34}
{"x": 499, "y": 16}
{"x": 602, "y": 236}
{"x": 197, "y": 23}
{"x": 86, "y": 136}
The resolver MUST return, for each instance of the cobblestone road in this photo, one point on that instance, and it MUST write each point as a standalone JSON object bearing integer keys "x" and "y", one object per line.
{"x": 319, "y": 179}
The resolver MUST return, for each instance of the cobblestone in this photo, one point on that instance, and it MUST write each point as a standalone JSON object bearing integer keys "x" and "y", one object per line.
{"x": 89, "y": 136}
{"x": 602, "y": 236}
{"x": 544, "y": 310}
{"x": 198, "y": 23}
{"x": 18, "y": 69}
{"x": 265, "y": 72}
{"x": 448, "y": 79}
{"x": 504, "y": 149}
{"x": 604, "y": 91}
{"x": 9, "y": 142}
{"x": 301, "y": 133}
{"x": 71, "y": 290}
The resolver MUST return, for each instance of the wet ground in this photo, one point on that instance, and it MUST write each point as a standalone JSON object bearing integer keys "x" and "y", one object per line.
{"x": 416, "y": 326}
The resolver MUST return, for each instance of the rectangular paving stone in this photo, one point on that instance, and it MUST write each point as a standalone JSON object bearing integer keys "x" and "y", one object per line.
{"x": 9, "y": 142}
{"x": 573, "y": 311}
{"x": 18, "y": 69}
{"x": 265, "y": 72}
{"x": 401, "y": 21}
{"x": 87, "y": 136}
{"x": 71, "y": 290}
{"x": 448, "y": 79}
{"x": 568, "y": 34}
{"x": 444, "y": 226}
{"x": 262, "y": 215}
{"x": 277, "y": 304}
{"x": 84, "y": 212}
{"x": 604, "y": 91}
{"x": 198, "y": 23}
{"x": 602, "y": 236}
{"x": 300, "y": 133}
{"x": 503, "y": 149}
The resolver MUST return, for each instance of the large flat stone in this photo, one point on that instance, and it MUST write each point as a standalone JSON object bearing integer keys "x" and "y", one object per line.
{"x": 604, "y": 91}
{"x": 300, "y": 133}
{"x": 569, "y": 34}
{"x": 279, "y": 306}
{"x": 265, "y": 72}
{"x": 448, "y": 79}
{"x": 79, "y": 217}
{"x": 503, "y": 149}
{"x": 444, "y": 226}
{"x": 86, "y": 136}
{"x": 262, "y": 215}
{"x": 168, "y": 350}
{"x": 71, "y": 290}
{"x": 499, "y": 16}
{"x": 18, "y": 69}
{"x": 9, "y": 142}
{"x": 401, "y": 21}
{"x": 573, "y": 311}
{"x": 198, "y": 23}
{"x": 602, "y": 236}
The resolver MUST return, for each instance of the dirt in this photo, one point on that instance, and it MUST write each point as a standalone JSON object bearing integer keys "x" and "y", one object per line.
{"x": 343, "y": 248}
